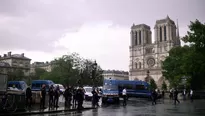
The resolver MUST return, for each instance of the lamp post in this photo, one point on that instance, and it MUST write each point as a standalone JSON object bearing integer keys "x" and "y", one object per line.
{"x": 148, "y": 79}
{"x": 94, "y": 68}
{"x": 81, "y": 76}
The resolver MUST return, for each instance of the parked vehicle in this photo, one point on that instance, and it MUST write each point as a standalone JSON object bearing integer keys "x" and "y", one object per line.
{"x": 37, "y": 84}
{"x": 17, "y": 85}
{"x": 88, "y": 93}
{"x": 62, "y": 89}
{"x": 112, "y": 89}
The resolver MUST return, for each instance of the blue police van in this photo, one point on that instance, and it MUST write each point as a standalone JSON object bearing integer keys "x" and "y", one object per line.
{"x": 37, "y": 84}
{"x": 20, "y": 85}
{"x": 112, "y": 89}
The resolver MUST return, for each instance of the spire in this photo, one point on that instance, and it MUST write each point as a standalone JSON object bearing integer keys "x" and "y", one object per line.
{"x": 177, "y": 30}
{"x": 177, "y": 34}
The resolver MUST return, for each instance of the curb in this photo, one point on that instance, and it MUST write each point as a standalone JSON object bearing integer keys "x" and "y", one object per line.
{"x": 44, "y": 112}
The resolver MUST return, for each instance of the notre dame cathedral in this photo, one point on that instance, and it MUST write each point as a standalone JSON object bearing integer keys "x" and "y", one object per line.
{"x": 146, "y": 57}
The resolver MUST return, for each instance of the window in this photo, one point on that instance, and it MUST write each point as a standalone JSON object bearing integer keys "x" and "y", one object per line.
{"x": 136, "y": 65}
{"x": 128, "y": 86}
{"x": 140, "y": 87}
{"x": 147, "y": 34}
{"x": 139, "y": 37}
{"x": 136, "y": 42}
{"x": 160, "y": 34}
{"x": 165, "y": 36}
{"x": 140, "y": 65}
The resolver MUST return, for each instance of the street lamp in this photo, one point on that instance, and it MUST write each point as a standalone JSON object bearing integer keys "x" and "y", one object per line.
{"x": 81, "y": 76}
{"x": 94, "y": 68}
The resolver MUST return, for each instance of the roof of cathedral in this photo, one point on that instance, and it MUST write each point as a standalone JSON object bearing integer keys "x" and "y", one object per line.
{"x": 140, "y": 26}
{"x": 167, "y": 19}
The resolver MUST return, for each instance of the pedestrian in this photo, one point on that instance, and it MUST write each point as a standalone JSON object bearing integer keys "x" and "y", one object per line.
{"x": 74, "y": 96}
{"x": 154, "y": 97}
{"x": 69, "y": 96}
{"x": 80, "y": 98}
{"x": 191, "y": 95}
{"x": 66, "y": 93}
{"x": 124, "y": 94}
{"x": 184, "y": 94}
{"x": 171, "y": 94}
{"x": 56, "y": 96}
{"x": 43, "y": 97}
{"x": 28, "y": 97}
{"x": 51, "y": 94}
{"x": 94, "y": 98}
{"x": 176, "y": 96}
{"x": 163, "y": 93}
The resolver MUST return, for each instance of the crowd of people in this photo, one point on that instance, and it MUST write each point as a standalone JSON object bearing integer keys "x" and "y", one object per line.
{"x": 73, "y": 97}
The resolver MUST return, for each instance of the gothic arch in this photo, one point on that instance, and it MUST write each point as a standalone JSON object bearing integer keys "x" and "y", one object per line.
{"x": 160, "y": 81}
{"x": 148, "y": 78}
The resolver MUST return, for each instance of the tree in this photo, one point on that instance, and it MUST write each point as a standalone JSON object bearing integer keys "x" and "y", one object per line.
{"x": 164, "y": 86}
{"x": 16, "y": 75}
{"x": 73, "y": 70}
{"x": 189, "y": 60}
{"x": 153, "y": 84}
{"x": 38, "y": 73}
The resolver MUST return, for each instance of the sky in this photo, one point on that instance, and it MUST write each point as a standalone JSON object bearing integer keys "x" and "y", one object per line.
{"x": 95, "y": 29}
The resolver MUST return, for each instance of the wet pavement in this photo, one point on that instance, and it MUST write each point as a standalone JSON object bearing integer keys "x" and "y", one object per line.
{"x": 141, "y": 107}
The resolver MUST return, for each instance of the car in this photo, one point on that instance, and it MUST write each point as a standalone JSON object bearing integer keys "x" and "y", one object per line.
{"x": 88, "y": 93}
{"x": 61, "y": 87}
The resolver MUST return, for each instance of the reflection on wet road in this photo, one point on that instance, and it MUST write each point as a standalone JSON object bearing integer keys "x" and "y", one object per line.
{"x": 139, "y": 107}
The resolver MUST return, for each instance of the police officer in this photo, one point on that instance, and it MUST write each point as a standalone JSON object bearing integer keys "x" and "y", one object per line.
{"x": 43, "y": 97}
{"x": 28, "y": 97}
{"x": 51, "y": 93}
{"x": 56, "y": 96}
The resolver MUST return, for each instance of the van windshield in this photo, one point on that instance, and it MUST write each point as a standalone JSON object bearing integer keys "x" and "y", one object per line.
{"x": 88, "y": 89}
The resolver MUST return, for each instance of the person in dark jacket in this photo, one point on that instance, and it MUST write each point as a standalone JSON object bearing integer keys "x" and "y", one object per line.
{"x": 28, "y": 97}
{"x": 66, "y": 94}
{"x": 95, "y": 98}
{"x": 51, "y": 94}
{"x": 56, "y": 96}
{"x": 176, "y": 96}
{"x": 154, "y": 97}
{"x": 80, "y": 98}
{"x": 43, "y": 97}
{"x": 74, "y": 96}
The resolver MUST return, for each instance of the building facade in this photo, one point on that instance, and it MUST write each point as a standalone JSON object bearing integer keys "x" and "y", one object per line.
{"x": 115, "y": 74}
{"x": 17, "y": 61}
{"x": 47, "y": 66}
{"x": 146, "y": 57}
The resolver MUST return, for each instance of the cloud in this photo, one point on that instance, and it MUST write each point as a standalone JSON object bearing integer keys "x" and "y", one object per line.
{"x": 107, "y": 43}
{"x": 97, "y": 29}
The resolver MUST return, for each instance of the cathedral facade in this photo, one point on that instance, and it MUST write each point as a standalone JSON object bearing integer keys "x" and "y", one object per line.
{"x": 145, "y": 56}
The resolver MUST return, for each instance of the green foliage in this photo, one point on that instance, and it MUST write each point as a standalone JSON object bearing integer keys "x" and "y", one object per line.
{"x": 69, "y": 69}
{"x": 164, "y": 86}
{"x": 17, "y": 75}
{"x": 188, "y": 60}
{"x": 153, "y": 84}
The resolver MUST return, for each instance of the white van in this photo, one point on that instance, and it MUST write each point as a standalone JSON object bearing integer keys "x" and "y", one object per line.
{"x": 88, "y": 93}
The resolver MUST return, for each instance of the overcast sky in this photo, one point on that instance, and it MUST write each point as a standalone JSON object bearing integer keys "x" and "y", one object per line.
{"x": 96, "y": 29}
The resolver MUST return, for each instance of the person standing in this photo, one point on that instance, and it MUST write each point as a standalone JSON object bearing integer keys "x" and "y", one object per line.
{"x": 191, "y": 95}
{"x": 184, "y": 94}
{"x": 80, "y": 98}
{"x": 154, "y": 97}
{"x": 51, "y": 93}
{"x": 56, "y": 96}
{"x": 124, "y": 94}
{"x": 43, "y": 97}
{"x": 176, "y": 96}
{"x": 28, "y": 97}
{"x": 65, "y": 94}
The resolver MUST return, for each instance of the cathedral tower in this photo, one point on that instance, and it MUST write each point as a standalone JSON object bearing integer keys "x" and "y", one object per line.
{"x": 146, "y": 57}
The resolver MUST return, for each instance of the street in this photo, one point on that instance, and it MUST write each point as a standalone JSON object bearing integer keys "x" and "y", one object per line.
{"x": 141, "y": 107}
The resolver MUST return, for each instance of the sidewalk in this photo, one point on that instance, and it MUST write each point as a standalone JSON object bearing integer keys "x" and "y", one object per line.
{"x": 36, "y": 110}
